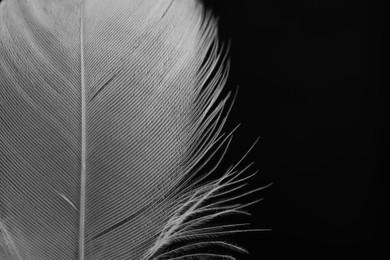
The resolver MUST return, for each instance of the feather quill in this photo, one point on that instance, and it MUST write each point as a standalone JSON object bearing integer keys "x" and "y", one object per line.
{"x": 107, "y": 115}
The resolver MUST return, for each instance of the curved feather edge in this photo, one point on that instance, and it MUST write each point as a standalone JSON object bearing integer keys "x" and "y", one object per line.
{"x": 193, "y": 210}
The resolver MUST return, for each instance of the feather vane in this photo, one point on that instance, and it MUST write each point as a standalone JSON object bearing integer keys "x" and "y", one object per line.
{"x": 108, "y": 114}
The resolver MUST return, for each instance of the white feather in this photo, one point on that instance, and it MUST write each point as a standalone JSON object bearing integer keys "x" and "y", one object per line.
{"x": 107, "y": 115}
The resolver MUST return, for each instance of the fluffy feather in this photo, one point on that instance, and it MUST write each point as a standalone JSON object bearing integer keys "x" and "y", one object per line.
{"x": 107, "y": 116}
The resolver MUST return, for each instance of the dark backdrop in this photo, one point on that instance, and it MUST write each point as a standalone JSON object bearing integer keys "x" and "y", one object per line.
{"x": 311, "y": 87}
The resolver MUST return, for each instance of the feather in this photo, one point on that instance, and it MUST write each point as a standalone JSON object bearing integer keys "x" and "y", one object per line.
{"x": 108, "y": 116}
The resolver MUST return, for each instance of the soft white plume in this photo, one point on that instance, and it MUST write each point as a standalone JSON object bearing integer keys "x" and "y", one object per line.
{"x": 108, "y": 115}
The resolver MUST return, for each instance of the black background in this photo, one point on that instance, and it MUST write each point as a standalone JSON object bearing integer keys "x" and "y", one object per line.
{"x": 311, "y": 78}
{"x": 311, "y": 87}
